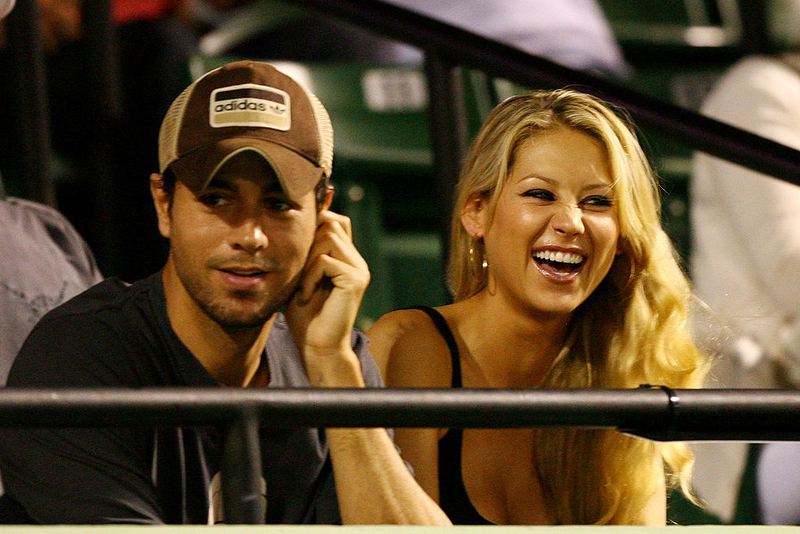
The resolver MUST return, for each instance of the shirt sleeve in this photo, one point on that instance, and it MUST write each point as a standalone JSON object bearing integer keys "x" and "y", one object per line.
{"x": 369, "y": 370}
{"x": 761, "y": 96}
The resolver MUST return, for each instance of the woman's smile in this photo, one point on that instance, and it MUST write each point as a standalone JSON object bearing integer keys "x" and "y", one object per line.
{"x": 558, "y": 266}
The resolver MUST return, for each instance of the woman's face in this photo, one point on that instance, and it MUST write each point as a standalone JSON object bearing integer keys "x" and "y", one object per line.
{"x": 555, "y": 229}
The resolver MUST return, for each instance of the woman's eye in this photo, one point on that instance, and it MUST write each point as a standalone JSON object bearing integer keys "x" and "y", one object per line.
{"x": 598, "y": 201}
{"x": 540, "y": 194}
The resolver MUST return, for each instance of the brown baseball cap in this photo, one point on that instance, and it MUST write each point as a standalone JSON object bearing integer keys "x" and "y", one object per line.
{"x": 247, "y": 105}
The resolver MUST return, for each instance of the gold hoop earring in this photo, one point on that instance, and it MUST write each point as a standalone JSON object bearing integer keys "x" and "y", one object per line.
{"x": 477, "y": 268}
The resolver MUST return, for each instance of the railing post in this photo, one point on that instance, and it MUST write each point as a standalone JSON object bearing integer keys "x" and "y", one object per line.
{"x": 243, "y": 495}
{"x": 105, "y": 96}
{"x": 31, "y": 102}
{"x": 448, "y": 133}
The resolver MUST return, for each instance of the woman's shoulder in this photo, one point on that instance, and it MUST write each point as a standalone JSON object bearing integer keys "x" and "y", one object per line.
{"x": 406, "y": 322}
{"x": 410, "y": 350}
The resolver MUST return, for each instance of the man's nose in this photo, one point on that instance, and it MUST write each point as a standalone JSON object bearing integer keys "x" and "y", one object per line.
{"x": 250, "y": 236}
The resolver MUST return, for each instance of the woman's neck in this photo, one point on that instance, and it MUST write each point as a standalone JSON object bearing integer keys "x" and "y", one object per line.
{"x": 513, "y": 348}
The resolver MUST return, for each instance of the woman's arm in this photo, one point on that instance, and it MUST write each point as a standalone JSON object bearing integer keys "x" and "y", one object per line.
{"x": 410, "y": 352}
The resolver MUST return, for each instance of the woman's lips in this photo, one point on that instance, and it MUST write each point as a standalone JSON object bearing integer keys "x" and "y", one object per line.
{"x": 559, "y": 266}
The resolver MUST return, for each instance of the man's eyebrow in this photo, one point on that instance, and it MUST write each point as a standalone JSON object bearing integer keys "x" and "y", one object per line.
{"x": 225, "y": 184}
{"x": 274, "y": 186}
{"x": 219, "y": 183}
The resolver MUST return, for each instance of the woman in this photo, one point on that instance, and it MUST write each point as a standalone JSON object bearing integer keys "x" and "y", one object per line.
{"x": 562, "y": 277}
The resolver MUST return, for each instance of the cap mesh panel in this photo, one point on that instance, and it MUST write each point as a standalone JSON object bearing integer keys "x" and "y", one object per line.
{"x": 170, "y": 127}
{"x": 325, "y": 129}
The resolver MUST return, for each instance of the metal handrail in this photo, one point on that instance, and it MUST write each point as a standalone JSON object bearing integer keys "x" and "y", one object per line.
{"x": 657, "y": 413}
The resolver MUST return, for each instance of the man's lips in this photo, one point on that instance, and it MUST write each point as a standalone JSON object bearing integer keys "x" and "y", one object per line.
{"x": 242, "y": 278}
{"x": 244, "y": 272}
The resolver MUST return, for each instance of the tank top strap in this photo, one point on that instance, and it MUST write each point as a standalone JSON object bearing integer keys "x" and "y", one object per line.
{"x": 444, "y": 329}
{"x": 453, "y": 496}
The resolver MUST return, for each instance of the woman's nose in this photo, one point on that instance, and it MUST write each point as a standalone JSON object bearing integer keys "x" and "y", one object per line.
{"x": 567, "y": 219}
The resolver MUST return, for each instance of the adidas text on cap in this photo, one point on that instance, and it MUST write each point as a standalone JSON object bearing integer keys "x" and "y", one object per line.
{"x": 247, "y": 105}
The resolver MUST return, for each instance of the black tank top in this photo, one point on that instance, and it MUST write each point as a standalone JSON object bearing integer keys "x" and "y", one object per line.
{"x": 453, "y": 496}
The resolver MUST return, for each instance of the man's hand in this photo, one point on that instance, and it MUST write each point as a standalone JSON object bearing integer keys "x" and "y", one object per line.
{"x": 323, "y": 311}
{"x": 373, "y": 484}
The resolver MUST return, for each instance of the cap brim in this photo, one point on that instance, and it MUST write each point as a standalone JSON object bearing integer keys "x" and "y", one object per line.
{"x": 297, "y": 174}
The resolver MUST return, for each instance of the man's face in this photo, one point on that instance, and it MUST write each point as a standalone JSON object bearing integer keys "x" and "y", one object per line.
{"x": 238, "y": 247}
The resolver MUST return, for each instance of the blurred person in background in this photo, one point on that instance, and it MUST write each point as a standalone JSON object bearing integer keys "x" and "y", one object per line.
{"x": 43, "y": 263}
{"x": 573, "y": 33}
{"x": 746, "y": 266}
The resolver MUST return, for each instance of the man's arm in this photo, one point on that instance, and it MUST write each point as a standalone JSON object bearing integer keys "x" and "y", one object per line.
{"x": 373, "y": 483}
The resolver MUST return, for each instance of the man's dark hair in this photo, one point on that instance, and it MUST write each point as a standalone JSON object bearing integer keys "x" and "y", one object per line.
{"x": 168, "y": 185}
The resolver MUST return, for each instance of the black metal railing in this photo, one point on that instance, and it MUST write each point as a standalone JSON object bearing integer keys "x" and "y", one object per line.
{"x": 656, "y": 413}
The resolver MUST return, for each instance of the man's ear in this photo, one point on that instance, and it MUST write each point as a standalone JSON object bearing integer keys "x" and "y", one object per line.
{"x": 474, "y": 215}
{"x": 329, "y": 190}
{"x": 161, "y": 201}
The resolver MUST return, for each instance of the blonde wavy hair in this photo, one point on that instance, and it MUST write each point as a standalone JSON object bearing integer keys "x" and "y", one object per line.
{"x": 632, "y": 330}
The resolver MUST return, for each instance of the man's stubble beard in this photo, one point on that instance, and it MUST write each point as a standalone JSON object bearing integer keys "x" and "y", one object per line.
{"x": 223, "y": 309}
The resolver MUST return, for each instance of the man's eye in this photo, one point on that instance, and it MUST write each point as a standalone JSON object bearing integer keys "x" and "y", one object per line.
{"x": 278, "y": 204}
{"x": 212, "y": 200}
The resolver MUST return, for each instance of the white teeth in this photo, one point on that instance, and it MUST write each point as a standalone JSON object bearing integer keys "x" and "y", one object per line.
{"x": 560, "y": 257}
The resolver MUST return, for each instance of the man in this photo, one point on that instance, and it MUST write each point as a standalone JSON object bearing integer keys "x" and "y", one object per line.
{"x": 245, "y": 155}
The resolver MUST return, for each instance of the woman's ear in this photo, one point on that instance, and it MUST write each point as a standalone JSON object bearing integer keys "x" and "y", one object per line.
{"x": 161, "y": 201}
{"x": 474, "y": 215}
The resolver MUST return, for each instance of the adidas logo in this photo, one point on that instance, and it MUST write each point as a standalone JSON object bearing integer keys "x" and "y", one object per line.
{"x": 238, "y": 105}
{"x": 250, "y": 105}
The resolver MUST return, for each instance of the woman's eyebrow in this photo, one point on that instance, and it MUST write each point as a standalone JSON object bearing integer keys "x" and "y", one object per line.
{"x": 554, "y": 182}
{"x": 599, "y": 185}
{"x": 545, "y": 179}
